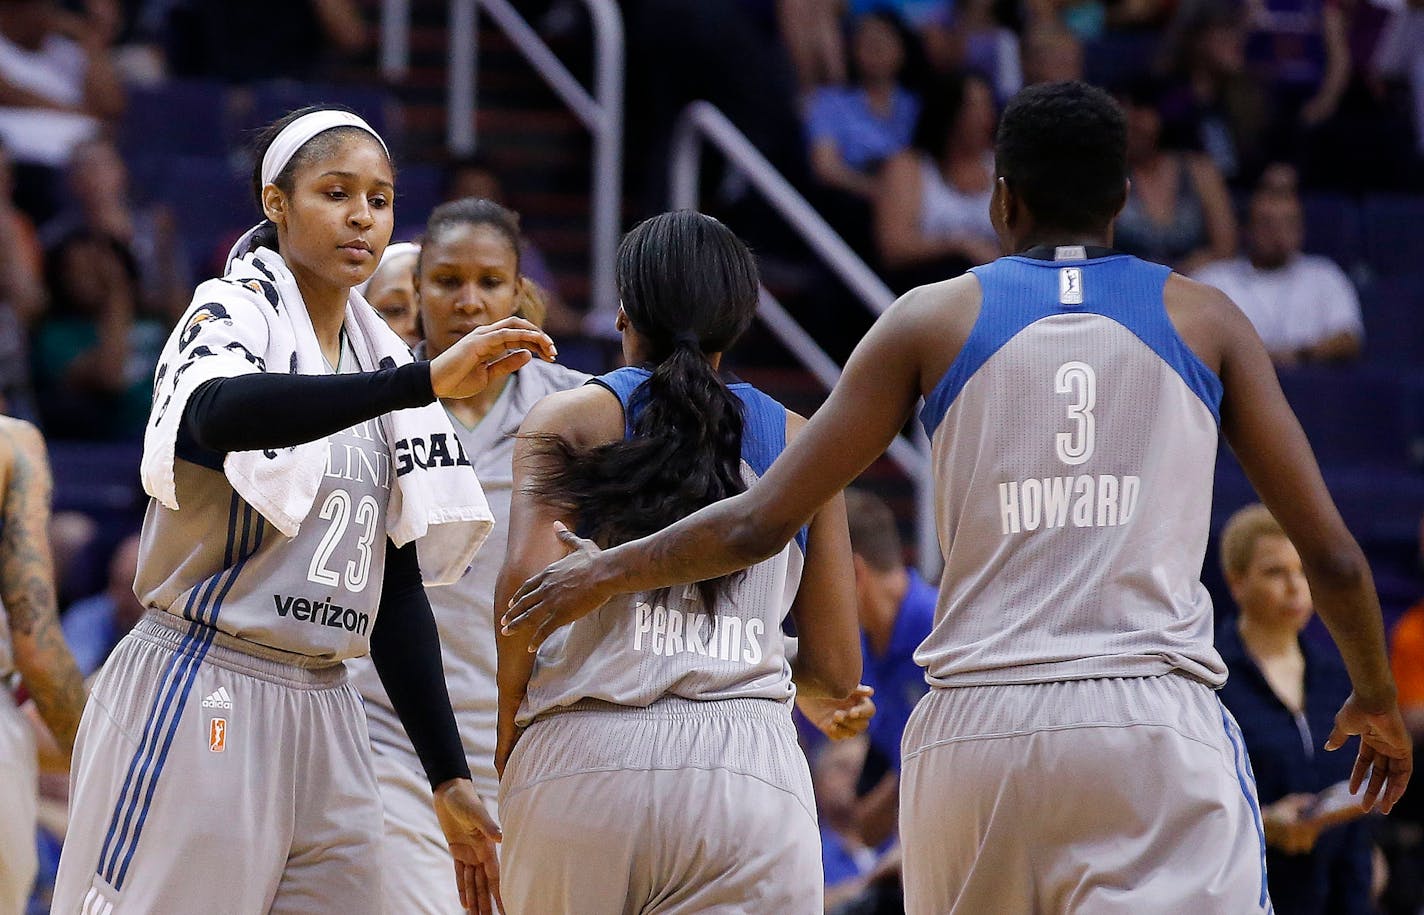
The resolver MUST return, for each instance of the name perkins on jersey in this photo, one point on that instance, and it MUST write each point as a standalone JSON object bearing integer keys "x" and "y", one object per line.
{"x": 668, "y": 631}
{"x": 1104, "y": 500}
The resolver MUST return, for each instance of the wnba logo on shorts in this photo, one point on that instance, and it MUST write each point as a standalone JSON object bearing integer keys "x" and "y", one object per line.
{"x": 217, "y": 734}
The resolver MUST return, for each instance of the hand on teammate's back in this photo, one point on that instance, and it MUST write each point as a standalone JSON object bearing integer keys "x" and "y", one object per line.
{"x": 1386, "y": 752}
{"x": 839, "y": 719}
{"x": 487, "y": 354}
{"x": 564, "y": 592}
{"x": 471, "y": 834}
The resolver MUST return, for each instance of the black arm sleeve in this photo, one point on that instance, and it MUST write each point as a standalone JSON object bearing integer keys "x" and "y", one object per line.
{"x": 405, "y": 647}
{"x": 270, "y": 410}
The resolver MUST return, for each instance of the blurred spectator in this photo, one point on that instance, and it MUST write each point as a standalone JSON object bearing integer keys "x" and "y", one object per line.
{"x": 72, "y": 536}
{"x": 100, "y": 203}
{"x": 94, "y": 625}
{"x": 896, "y": 613}
{"x": 1212, "y": 103}
{"x": 811, "y": 31}
{"x": 1367, "y": 144}
{"x": 391, "y": 291}
{"x": 1301, "y": 50}
{"x": 986, "y": 45}
{"x": 94, "y": 355}
{"x": 1178, "y": 211}
{"x": 1399, "y": 56}
{"x": 474, "y": 176}
{"x": 263, "y": 39}
{"x": 56, "y": 86}
{"x": 21, "y": 299}
{"x": 1407, "y": 662}
{"x": 852, "y": 130}
{"x": 1302, "y": 305}
{"x": 1284, "y": 692}
{"x": 844, "y": 857}
{"x": 1051, "y": 54}
{"x": 932, "y": 201}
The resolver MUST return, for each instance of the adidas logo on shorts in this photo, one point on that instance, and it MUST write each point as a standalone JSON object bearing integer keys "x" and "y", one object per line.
{"x": 218, "y": 698}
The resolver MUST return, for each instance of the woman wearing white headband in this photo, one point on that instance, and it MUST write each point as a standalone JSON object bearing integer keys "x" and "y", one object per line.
{"x": 295, "y": 456}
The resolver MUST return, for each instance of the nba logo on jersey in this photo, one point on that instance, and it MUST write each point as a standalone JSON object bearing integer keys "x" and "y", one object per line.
{"x": 217, "y": 735}
{"x": 1070, "y": 286}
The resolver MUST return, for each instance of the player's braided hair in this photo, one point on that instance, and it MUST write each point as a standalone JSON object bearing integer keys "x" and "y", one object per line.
{"x": 689, "y": 286}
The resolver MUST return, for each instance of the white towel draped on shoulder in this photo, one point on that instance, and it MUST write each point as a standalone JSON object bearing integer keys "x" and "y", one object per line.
{"x": 253, "y": 320}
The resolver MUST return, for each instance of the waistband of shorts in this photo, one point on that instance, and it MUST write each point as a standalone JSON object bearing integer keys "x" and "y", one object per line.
{"x": 673, "y": 708}
{"x": 228, "y": 651}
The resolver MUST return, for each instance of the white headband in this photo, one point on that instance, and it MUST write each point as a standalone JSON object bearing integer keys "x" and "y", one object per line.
{"x": 392, "y": 253}
{"x": 296, "y": 134}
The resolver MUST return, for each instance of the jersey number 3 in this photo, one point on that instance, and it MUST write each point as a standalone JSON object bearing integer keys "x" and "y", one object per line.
{"x": 1077, "y": 379}
{"x": 337, "y": 510}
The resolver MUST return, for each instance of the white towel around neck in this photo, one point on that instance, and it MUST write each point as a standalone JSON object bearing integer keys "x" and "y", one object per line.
{"x": 252, "y": 320}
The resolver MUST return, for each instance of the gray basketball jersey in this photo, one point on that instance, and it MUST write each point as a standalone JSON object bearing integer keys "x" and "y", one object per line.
{"x": 637, "y": 649}
{"x": 464, "y": 611}
{"x": 314, "y": 594}
{"x": 1074, "y": 442}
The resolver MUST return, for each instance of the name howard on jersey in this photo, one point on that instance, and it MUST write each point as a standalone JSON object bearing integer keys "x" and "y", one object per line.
{"x": 322, "y": 613}
{"x": 1104, "y": 500}
{"x": 667, "y": 631}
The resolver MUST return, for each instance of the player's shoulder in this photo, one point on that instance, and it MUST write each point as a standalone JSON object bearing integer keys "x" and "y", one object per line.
{"x": 1183, "y": 295}
{"x": 19, "y": 436}
{"x": 585, "y": 415}
{"x": 20, "y": 443}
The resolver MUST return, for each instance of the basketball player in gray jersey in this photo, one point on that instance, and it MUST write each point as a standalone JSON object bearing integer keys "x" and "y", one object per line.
{"x": 468, "y": 275}
{"x": 649, "y": 760}
{"x": 223, "y": 762}
{"x": 1071, "y": 755}
{"x": 34, "y": 659}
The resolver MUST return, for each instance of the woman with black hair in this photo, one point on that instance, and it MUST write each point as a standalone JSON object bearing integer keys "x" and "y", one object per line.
{"x": 295, "y": 456}
{"x": 932, "y": 200}
{"x": 468, "y": 274}
{"x": 648, "y": 758}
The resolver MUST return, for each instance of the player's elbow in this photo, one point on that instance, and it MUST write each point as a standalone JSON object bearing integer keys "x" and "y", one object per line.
{"x": 751, "y": 538}
{"x": 1337, "y": 566}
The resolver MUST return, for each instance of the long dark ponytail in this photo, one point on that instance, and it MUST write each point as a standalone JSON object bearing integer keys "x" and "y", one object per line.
{"x": 689, "y": 287}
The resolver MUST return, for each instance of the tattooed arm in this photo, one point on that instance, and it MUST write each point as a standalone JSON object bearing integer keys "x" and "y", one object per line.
{"x": 27, "y": 582}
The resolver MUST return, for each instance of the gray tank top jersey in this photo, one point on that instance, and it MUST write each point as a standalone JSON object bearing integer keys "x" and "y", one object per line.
{"x": 215, "y": 560}
{"x": 635, "y": 650}
{"x": 1074, "y": 443}
{"x": 464, "y": 611}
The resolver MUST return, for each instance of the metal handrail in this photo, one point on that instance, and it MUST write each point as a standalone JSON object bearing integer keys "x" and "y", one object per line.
{"x": 600, "y": 111}
{"x": 703, "y": 121}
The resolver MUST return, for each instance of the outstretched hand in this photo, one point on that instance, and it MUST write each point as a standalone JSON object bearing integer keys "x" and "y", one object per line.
{"x": 839, "y": 719}
{"x": 1386, "y": 753}
{"x": 471, "y": 834}
{"x": 487, "y": 354}
{"x": 564, "y": 592}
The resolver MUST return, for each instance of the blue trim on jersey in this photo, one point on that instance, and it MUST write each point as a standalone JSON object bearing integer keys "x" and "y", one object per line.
{"x": 186, "y": 661}
{"x": 763, "y": 419}
{"x": 1247, "y": 780}
{"x": 1019, "y": 291}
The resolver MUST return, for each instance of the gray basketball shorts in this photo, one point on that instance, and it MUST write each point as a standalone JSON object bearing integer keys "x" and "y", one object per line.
{"x": 681, "y": 807}
{"x": 214, "y": 775}
{"x": 1107, "y": 796}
